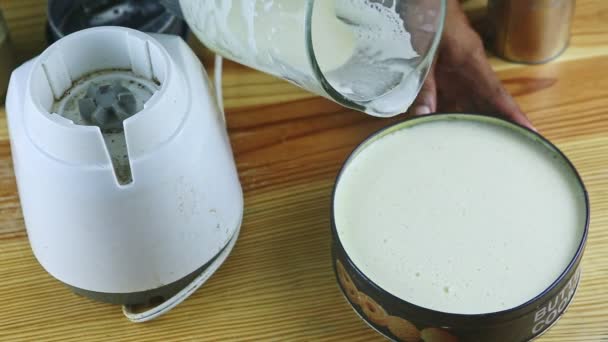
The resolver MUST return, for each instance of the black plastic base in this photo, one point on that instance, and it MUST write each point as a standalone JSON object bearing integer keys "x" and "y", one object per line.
{"x": 143, "y": 297}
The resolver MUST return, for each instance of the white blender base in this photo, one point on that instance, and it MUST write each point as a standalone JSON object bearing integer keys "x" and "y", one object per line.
{"x": 125, "y": 250}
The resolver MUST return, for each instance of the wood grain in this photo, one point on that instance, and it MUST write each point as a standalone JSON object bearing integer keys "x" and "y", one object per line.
{"x": 289, "y": 144}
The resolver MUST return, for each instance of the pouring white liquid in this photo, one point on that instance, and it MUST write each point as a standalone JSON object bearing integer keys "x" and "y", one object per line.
{"x": 361, "y": 47}
{"x": 460, "y": 216}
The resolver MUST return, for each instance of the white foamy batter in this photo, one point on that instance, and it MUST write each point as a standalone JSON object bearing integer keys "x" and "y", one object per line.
{"x": 460, "y": 216}
{"x": 361, "y": 46}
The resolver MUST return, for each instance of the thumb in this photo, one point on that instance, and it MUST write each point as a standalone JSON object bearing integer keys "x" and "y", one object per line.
{"x": 426, "y": 101}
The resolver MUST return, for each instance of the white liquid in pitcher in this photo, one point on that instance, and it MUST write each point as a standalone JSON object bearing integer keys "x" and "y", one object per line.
{"x": 460, "y": 216}
{"x": 361, "y": 47}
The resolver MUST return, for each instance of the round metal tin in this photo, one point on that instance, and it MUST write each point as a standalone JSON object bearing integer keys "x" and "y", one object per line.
{"x": 403, "y": 321}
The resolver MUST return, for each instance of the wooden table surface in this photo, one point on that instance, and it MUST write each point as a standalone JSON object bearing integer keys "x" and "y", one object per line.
{"x": 278, "y": 284}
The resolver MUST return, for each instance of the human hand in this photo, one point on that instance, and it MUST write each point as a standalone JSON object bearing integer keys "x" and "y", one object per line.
{"x": 461, "y": 78}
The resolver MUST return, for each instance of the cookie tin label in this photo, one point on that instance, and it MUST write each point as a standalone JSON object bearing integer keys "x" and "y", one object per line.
{"x": 547, "y": 314}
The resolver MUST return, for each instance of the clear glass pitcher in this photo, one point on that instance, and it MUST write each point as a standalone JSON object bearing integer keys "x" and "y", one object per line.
{"x": 369, "y": 55}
